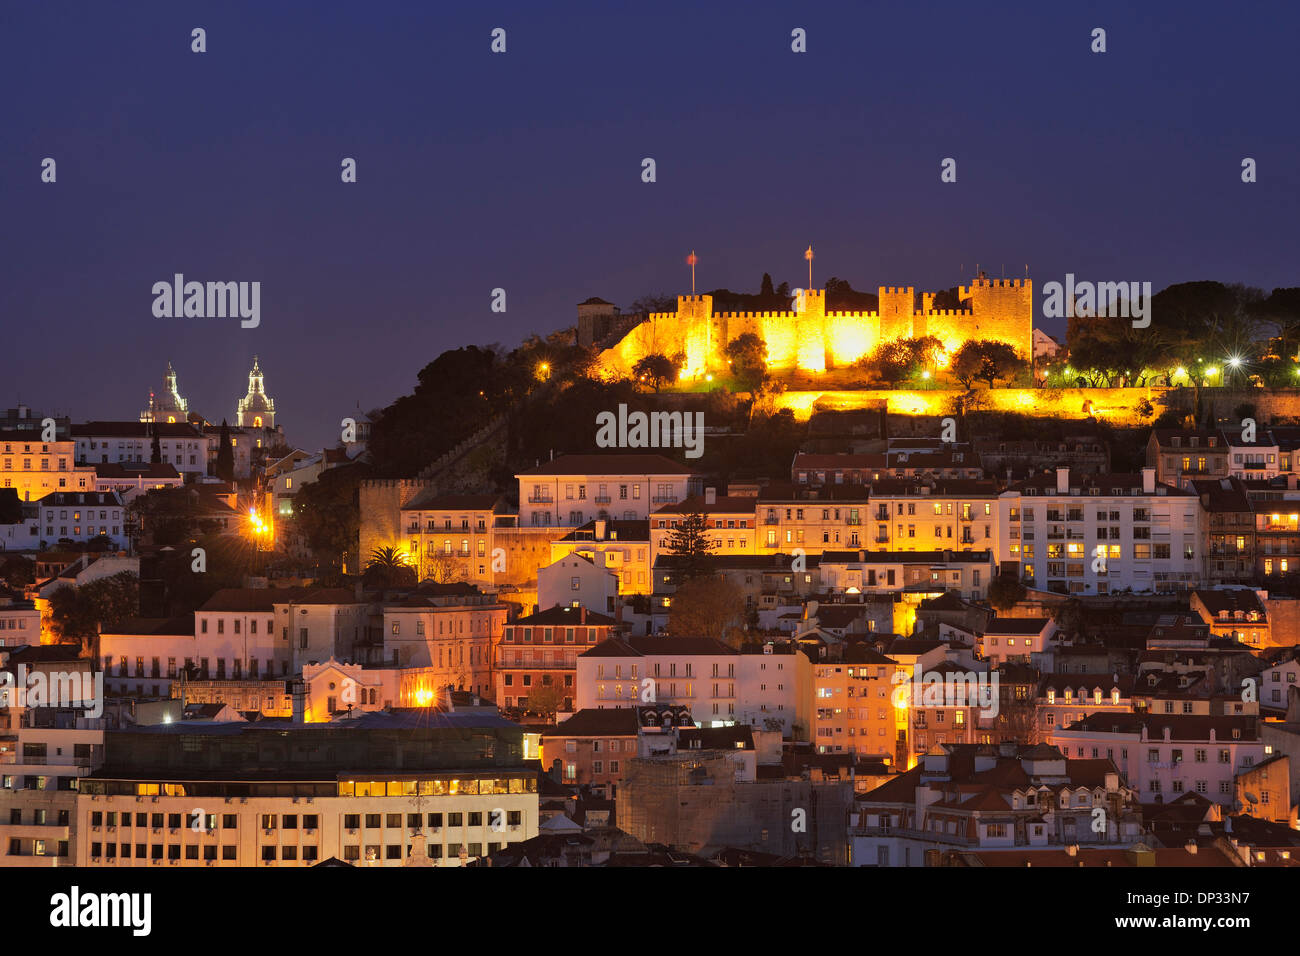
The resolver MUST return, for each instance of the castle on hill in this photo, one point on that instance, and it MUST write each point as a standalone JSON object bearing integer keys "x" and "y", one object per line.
{"x": 812, "y": 339}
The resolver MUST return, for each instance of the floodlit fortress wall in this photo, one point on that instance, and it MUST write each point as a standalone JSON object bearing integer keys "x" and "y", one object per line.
{"x": 1120, "y": 406}
{"x": 812, "y": 339}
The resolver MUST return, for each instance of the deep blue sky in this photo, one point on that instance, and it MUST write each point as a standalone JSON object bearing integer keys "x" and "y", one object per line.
{"x": 523, "y": 170}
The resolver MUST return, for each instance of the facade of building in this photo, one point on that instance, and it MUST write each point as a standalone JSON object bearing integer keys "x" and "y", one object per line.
{"x": 1099, "y": 534}
{"x": 440, "y": 789}
{"x": 571, "y": 490}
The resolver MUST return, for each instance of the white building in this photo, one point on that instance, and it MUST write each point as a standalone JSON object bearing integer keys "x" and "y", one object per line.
{"x": 83, "y": 516}
{"x": 571, "y": 490}
{"x": 134, "y": 478}
{"x": 454, "y": 635}
{"x": 774, "y": 689}
{"x": 1099, "y": 534}
{"x": 1163, "y": 756}
{"x": 696, "y": 672}
{"x": 873, "y": 572}
{"x": 181, "y": 444}
{"x": 449, "y": 789}
{"x": 577, "y": 580}
{"x": 1016, "y": 638}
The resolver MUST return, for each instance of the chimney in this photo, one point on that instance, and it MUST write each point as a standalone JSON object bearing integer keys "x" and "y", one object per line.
{"x": 1291, "y": 483}
{"x": 298, "y": 690}
{"x": 710, "y": 496}
{"x": 862, "y": 557}
{"x": 600, "y": 529}
{"x": 1063, "y": 480}
{"x": 1191, "y": 847}
{"x": 1072, "y": 850}
{"x": 582, "y": 614}
{"x": 1148, "y": 481}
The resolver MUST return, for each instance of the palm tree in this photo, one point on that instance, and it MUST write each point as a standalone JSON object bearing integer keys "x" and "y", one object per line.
{"x": 389, "y": 565}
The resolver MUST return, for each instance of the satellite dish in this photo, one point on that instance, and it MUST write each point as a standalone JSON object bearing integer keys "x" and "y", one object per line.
{"x": 1251, "y": 797}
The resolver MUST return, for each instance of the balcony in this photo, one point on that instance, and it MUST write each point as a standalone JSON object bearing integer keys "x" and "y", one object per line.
{"x": 602, "y": 499}
{"x": 541, "y": 500}
{"x": 771, "y": 519}
{"x": 929, "y": 836}
{"x": 537, "y": 666}
{"x": 853, "y": 521}
{"x": 664, "y": 499}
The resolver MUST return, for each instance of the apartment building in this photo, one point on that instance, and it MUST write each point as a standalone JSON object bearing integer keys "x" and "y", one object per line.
{"x": 955, "y": 514}
{"x": 1237, "y": 613}
{"x": 571, "y": 490}
{"x": 1098, "y": 534}
{"x": 775, "y": 688}
{"x": 182, "y": 445}
{"x": 623, "y": 548}
{"x": 1163, "y": 756}
{"x": 696, "y": 672}
{"x": 592, "y": 747}
{"x": 924, "y": 573}
{"x": 730, "y": 523}
{"x": 855, "y": 705}
{"x": 992, "y": 799}
{"x": 35, "y": 468}
{"x": 439, "y": 789}
{"x": 450, "y": 537}
{"x": 1230, "y": 519}
{"x": 813, "y": 521}
{"x": 83, "y": 516}
{"x": 1182, "y": 455}
{"x": 453, "y": 633}
{"x": 542, "y": 650}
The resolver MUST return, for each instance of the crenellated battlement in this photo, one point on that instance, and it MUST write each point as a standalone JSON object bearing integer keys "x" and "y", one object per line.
{"x": 810, "y": 338}
{"x": 756, "y": 315}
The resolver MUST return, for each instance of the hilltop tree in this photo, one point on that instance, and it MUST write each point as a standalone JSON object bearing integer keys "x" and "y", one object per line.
{"x": 748, "y": 356}
{"x": 986, "y": 361}
{"x": 656, "y": 369}
{"x": 899, "y": 359}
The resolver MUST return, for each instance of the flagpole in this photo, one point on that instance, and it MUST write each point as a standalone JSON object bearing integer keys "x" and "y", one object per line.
{"x": 691, "y": 260}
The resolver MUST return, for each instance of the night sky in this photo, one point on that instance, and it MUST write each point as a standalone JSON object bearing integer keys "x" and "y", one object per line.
{"x": 522, "y": 171}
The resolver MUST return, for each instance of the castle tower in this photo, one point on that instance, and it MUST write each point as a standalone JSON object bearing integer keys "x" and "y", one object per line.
{"x": 255, "y": 410}
{"x": 1002, "y": 310}
{"x": 897, "y": 307}
{"x": 811, "y": 341}
{"x": 168, "y": 406}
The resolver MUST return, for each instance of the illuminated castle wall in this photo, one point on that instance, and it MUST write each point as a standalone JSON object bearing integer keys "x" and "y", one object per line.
{"x": 812, "y": 339}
